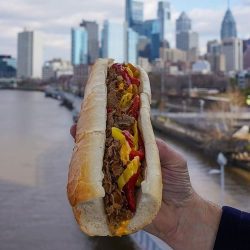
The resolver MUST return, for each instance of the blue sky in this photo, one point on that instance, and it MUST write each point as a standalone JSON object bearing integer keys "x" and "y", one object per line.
{"x": 190, "y": 4}
{"x": 54, "y": 18}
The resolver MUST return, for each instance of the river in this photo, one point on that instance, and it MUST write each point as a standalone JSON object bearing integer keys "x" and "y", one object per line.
{"x": 35, "y": 148}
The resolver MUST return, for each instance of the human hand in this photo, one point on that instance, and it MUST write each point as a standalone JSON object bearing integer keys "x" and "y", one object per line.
{"x": 185, "y": 220}
{"x": 177, "y": 191}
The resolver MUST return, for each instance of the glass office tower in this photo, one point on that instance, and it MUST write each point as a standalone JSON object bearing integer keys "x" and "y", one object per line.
{"x": 132, "y": 42}
{"x": 164, "y": 16}
{"x": 93, "y": 40}
{"x": 228, "y": 26}
{"x": 113, "y": 41}
{"x": 134, "y": 12}
{"x": 79, "y": 46}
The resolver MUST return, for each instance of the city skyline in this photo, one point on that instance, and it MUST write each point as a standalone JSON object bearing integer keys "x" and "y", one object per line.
{"x": 56, "y": 24}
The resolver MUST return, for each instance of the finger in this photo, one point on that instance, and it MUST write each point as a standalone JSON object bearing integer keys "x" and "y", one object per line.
{"x": 73, "y": 131}
{"x": 175, "y": 177}
{"x": 169, "y": 156}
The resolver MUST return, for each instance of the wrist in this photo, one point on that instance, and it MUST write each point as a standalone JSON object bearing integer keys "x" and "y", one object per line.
{"x": 197, "y": 225}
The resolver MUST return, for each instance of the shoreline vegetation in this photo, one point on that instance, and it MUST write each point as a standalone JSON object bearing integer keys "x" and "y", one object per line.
{"x": 201, "y": 142}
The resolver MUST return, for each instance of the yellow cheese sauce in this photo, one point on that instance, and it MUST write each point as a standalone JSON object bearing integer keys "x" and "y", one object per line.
{"x": 123, "y": 229}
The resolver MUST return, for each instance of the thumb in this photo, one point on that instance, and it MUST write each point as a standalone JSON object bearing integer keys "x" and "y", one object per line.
{"x": 175, "y": 177}
{"x": 168, "y": 156}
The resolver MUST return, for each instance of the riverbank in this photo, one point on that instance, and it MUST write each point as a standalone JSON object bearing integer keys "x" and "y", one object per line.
{"x": 198, "y": 140}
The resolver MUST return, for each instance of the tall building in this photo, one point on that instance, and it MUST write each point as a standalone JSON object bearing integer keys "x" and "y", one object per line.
{"x": 79, "y": 46}
{"x": 246, "y": 58}
{"x": 232, "y": 48}
{"x": 143, "y": 47}
{"x": 215, "y": 56}
{"x": 183, "y": 23}
{"x": 151, "y": 27}
{"x": 29, "y": 54}
{"x": 113, "y": 41}
{"x": 192, "y": 55}
{"x": 186, "y": 39}
{"x": 213, "y": 47}
{"x": 155, "y": 46}
{"x": 164, "y": 16}
{"x": 151, "y": 30}
{"x": 228, "y": 26}
{"x": 7, "y": 66}
{"x": 132, "y": 43}
{"x": 93, "y": 40}
{"x": 217, "y": 62}
{"x": 246, "y": 44}
{"x": 134, "y": 12}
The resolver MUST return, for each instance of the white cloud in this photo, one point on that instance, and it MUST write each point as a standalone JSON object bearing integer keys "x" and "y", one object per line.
{"x": 55, "y": 18}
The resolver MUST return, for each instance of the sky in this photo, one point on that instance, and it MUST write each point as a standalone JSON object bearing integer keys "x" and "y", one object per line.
{"x": 54, "y": 19}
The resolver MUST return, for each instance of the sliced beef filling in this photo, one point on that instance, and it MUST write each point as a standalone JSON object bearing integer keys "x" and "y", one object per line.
{"x": 115, "y": 201}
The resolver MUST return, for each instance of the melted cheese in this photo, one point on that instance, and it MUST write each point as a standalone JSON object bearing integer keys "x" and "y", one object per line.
{"x": 123, "y": 229}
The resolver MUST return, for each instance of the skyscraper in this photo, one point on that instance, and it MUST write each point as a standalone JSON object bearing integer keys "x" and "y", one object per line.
{"x": 246, "y": 44}
{"x": 132, "y": 42}
{"x": 164, "y": 16}
{"x": 246, "y": 58}
{"x": 143, "y": 47}
{"x": 228, "y": 26}
{"x": 79, "y": 46}
{"x": 183, "y": 23}
{"x": 29, "y": 55}
{"x": 151, "y": 29}
{"x": 186, "y": 39}
{"x": 213, "y": 47}
{"x": 93, "y": 38}
{"x": 113, "y": 41}
{"x": 134, "y": 13}
{"x": 215, "y": 57}
{"x": 232, "y": 48}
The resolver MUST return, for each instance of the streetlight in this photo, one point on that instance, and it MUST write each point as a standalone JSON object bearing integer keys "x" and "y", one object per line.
{"x": 202, "y": 103}
{"x": 190, "y": 84}
{"x": 222, "y": 161}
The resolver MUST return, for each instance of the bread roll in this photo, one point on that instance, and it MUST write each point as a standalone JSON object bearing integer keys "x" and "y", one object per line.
{"x": 84, "y": 189}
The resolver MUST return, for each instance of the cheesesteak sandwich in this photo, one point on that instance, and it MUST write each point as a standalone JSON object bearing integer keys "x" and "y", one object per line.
{"x": 114, "y": 183}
